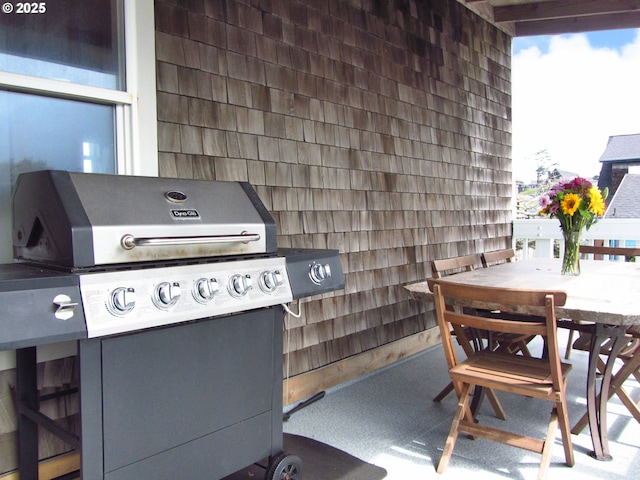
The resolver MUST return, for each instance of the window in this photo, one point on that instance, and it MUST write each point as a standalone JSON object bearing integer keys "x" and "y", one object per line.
{"x": 77, "y": 92}
{"x": 70, "y": 40}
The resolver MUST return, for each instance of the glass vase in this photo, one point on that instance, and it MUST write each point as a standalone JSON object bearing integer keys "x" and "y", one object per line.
{"x": 571, "y": 258}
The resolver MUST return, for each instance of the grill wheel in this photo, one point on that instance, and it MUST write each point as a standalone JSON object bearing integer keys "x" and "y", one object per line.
{"x": 284, "y": 467}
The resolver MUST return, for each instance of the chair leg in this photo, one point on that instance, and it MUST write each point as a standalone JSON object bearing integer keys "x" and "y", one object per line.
{"x": 461, "y": 411}
{"x": 524, "y": 349}
{"x": 444, "y": 392}
{"x": 567, "y": 352}
{"x": 495, "y": 403}
{"x": 491, "y": 395}
{"x": 565, "y": 430}
{"x": 629, "y": 367}
{"x": 545, "y": 461}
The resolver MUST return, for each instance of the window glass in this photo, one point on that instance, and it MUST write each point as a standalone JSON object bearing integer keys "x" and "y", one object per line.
{"x": 39, "y": 133}
{"x": 72, "y": 40}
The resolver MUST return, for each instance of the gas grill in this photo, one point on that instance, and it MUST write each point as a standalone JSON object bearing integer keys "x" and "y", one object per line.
{"x": 175, "y": 290}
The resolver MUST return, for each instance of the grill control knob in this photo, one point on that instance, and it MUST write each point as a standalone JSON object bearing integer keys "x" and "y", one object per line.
{"x": 270, "y": 280}
{"x": 239, "y": 285}
{"x": 205, "y": 289}
{"x": 167, "y": 294}
{"x": 319, "y": 273}
{"x": 122, "y": 300}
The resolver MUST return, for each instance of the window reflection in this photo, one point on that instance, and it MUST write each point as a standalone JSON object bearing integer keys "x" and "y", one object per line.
{"x": 48, "y": 133}
{"x": 73, "y": 40}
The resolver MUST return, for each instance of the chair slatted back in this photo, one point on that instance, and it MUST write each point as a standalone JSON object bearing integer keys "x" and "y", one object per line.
{"x": 498, "y": 256}
{"x": 627, "y": 252}
{"x": 446, "y": 266}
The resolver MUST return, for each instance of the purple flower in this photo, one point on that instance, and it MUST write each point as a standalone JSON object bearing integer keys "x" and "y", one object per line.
{"x": 545, "y": 200}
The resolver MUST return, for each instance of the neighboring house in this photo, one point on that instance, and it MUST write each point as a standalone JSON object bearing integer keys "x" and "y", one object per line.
{"x": 626, "y": 201}
{"x": 557, "y": 174}
{"x": 622, "y": 152}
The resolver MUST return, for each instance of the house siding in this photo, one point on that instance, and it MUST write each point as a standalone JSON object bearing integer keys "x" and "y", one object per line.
{"x": 382, "y": 129}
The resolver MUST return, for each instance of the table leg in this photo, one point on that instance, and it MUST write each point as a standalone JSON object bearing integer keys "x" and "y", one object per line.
{"x": 597, "y": 402}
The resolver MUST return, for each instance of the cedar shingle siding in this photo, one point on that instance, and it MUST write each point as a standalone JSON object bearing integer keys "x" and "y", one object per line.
{"x": 381, "y": 129}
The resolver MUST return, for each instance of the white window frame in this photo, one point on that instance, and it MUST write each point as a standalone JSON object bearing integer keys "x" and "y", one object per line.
{"x": 136, "y": 130}
{"x": 135, "y": 118}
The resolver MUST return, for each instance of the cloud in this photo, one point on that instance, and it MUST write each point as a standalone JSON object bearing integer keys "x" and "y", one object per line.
{"x": 569, "y": 98}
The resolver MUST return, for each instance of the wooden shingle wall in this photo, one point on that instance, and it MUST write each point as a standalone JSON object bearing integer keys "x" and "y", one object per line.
{"x": 56, "y": 378}
{"x": 379, "y": 128}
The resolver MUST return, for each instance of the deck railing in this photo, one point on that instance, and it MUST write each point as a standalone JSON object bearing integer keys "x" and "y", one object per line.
{"x": 543, "y": 237}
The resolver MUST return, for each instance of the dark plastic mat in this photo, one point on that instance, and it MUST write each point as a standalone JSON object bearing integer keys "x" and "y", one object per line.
{"x": 319, "y": 462}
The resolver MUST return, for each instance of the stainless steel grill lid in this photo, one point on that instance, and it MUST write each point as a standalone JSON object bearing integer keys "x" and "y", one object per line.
{"x": 86, "y": 220}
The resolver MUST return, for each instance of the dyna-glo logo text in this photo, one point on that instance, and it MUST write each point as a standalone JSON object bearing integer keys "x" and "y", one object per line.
{"x": 185, "y": 214}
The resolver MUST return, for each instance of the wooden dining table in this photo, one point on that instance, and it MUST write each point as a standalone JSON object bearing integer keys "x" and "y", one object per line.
{"x": 603, "y": 300}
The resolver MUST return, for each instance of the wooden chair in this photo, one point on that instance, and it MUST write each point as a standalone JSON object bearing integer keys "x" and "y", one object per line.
{"x": 599, "y": 253}
{"x": 448, "y": 266}
{"x": 498, "y": 256}
{"x": 543, "y": 378}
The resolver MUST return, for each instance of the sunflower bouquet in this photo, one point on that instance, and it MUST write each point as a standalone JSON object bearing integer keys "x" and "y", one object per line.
{"x": 577, "y": 204}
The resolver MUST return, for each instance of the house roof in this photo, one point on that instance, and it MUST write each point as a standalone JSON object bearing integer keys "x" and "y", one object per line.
{"x": 626, "y": 201}
{"x": 557, "y": 173}
{"x": 520, "y": 18}
{"x": 622, "y": 148}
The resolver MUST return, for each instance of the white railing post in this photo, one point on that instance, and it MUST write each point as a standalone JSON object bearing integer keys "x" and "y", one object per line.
{"x": 544, "y": 248}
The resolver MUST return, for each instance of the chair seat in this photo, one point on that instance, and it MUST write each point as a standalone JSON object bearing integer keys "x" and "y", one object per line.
{"x": 528, "y": 376}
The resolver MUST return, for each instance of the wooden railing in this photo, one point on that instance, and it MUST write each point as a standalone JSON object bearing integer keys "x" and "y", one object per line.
{"x": 543, "y": 237}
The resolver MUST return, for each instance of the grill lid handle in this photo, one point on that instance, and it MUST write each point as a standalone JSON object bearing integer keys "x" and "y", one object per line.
{"x": 129, "y": 242}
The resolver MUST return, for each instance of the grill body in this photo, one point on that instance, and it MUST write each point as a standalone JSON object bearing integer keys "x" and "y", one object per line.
{"x": 173, "y": 290}
{"x": 202, "y": 399}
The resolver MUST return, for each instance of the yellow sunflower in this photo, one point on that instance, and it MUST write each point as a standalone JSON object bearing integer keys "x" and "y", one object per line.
{"x": 596, "y": 204}
{"x": 570, "y": 203}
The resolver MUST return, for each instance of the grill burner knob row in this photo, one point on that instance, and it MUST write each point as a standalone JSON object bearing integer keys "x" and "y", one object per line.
{"x": 167, "y": 294}
{"x": 239, "y": 285}
{"x": 122, "y": 300}
{"x": 270, "y": 281}
{"x": 319, "y": 273}
{"x": 205, "y": 289}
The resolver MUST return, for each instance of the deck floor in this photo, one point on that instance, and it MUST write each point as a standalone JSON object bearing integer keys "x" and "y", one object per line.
{"x": 388, "y": 418}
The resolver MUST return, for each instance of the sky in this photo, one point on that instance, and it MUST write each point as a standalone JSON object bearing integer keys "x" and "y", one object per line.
{"x": 570, "y": 94}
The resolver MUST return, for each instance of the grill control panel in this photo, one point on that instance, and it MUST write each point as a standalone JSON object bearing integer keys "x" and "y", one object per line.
{"x": 312, "y": 272}
{"x": 118, "y": 302}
